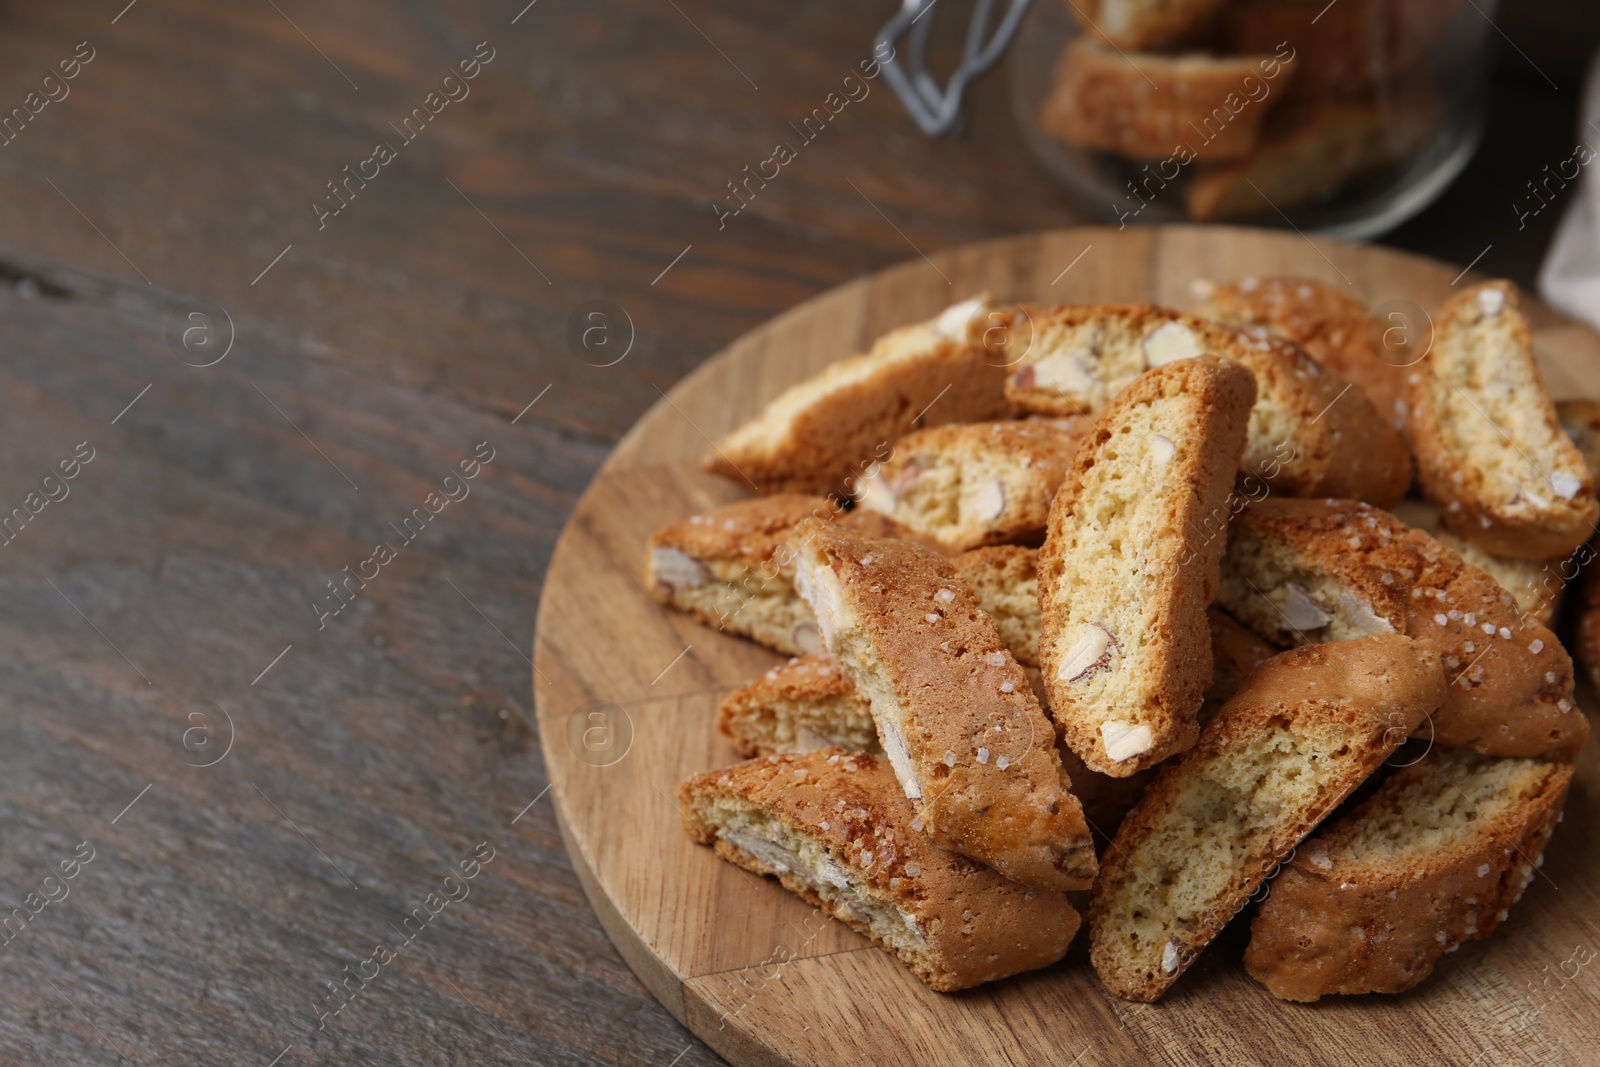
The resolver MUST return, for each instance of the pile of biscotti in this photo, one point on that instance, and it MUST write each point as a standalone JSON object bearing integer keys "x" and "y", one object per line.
{"x": 1130, "y": 601}
{"x": 1262, "y": 102}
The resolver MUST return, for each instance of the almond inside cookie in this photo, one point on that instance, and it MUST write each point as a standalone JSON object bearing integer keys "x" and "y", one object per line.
{"x": 836, "y": 830}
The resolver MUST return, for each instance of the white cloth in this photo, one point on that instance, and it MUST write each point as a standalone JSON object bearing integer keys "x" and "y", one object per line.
{"x": 1570, "y": 276}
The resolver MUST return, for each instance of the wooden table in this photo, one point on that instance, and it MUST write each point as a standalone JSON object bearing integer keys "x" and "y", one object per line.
{"x": 269, "y": 786}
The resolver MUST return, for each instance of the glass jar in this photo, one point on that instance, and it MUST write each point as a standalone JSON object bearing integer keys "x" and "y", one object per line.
{"x": 1345, "y": 117}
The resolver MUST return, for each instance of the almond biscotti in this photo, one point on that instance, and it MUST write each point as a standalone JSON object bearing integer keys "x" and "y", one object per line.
{"x": 1329, "y": 323}
{"x": 1342, "y": 48}
{"x": 1140, "y": 24}
{"x": 1309, "y": 151}
{"x": 729, "y": 567}
{"x": 1312, "y": 433}
{"x": 964, "y": 734}
{"x": 1309, "y": 433}
{"x": 836, "y": 830}
{"x": 809, "y": 703}
{"x": 820, "y": 435}
{"x": 1124, "y": 575}
{"x": 974, "y": 484}
{"x": 1005, "y": 579}
{"x": 1535, "y": 584}
{"x": 1310, "y": 571}
{"x": 1491, "y": 455}
{"x": 1538, "y": 586}
{"x": 1306, "y": 729}
{"x": 1139, "y": 106}
{"x": 1436, "y": 857}
{"x": 801, "y": 706}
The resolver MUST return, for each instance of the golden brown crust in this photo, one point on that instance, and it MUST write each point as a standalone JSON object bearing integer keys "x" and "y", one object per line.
{"x": 1309, "y": 433}
{"x": 1491, "y": 453}
{"x": 1363, "y": 570}
{"x": 975, "y": 484}
{"x": 1338, "y": 445}
{"x": 953, "y": 709}
{"x": 969, "y": 925}
{"x": 1356, "y": 912}
{"x": 803, "y": 705}
{"x": 749, "y": 531}
{"x": 730, "y": 567}
{"x": 1535, "y": 584}
{"x": 1123, "y": 517}
{"x": 1328, "y": 322}
{"x": 1307, "y": 728}
{"x": 820, "y": 435}
{"x": 1309, "y": 150}
{"x": 1143, "y": 106}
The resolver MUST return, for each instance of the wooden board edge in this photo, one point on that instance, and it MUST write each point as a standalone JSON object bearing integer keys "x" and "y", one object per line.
{"x": 655, "y": 975}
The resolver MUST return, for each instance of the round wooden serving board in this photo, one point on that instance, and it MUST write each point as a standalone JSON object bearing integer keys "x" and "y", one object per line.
{"x": 626, "y": 691}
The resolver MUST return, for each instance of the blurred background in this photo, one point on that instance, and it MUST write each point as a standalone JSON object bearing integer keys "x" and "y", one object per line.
{"x": 396, "y": 222}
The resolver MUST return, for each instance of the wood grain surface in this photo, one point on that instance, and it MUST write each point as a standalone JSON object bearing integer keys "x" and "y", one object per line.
{"x": 626, "y": 691}
{"x": 418, "y": 322}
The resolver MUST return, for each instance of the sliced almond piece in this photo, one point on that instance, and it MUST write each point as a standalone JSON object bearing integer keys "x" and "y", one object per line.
{"x": 1089, "y": 648}
{"x": 1301, "y": 611}
{"x": 1169, "y": 342}
{"x": 1125, "y": 740}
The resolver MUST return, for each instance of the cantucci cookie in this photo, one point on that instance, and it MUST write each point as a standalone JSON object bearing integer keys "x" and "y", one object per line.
{"x": 837, "y": 831}
{"x": 1124, "y": 579}
{"x": 1309, "y": 433}
{"x": 801, "y": 706}
{"x": 1341, "y": 48}
{"x": 729, "y": 567}
{"x": 1436, "y": 857}
{"x": 820, "y": 435}
{"x": 954, "y": 713}
{"x": 1329, "y": 323}
{"x": 1308, "y": 152}
{"x": 1310, "y": 571}
{"x": 1312, "y": 433}
{"x": 1306, "y": 729}
{"x": 1005, "y": 579}
{"x": 809, "y": 703}
{"x": 1140, "y": 24}
{"x": 1142, "y": 106}
{"x": 1490, "y": 452}
{"x": 975, "y": 484}
{"x": 1535, "y": 584}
